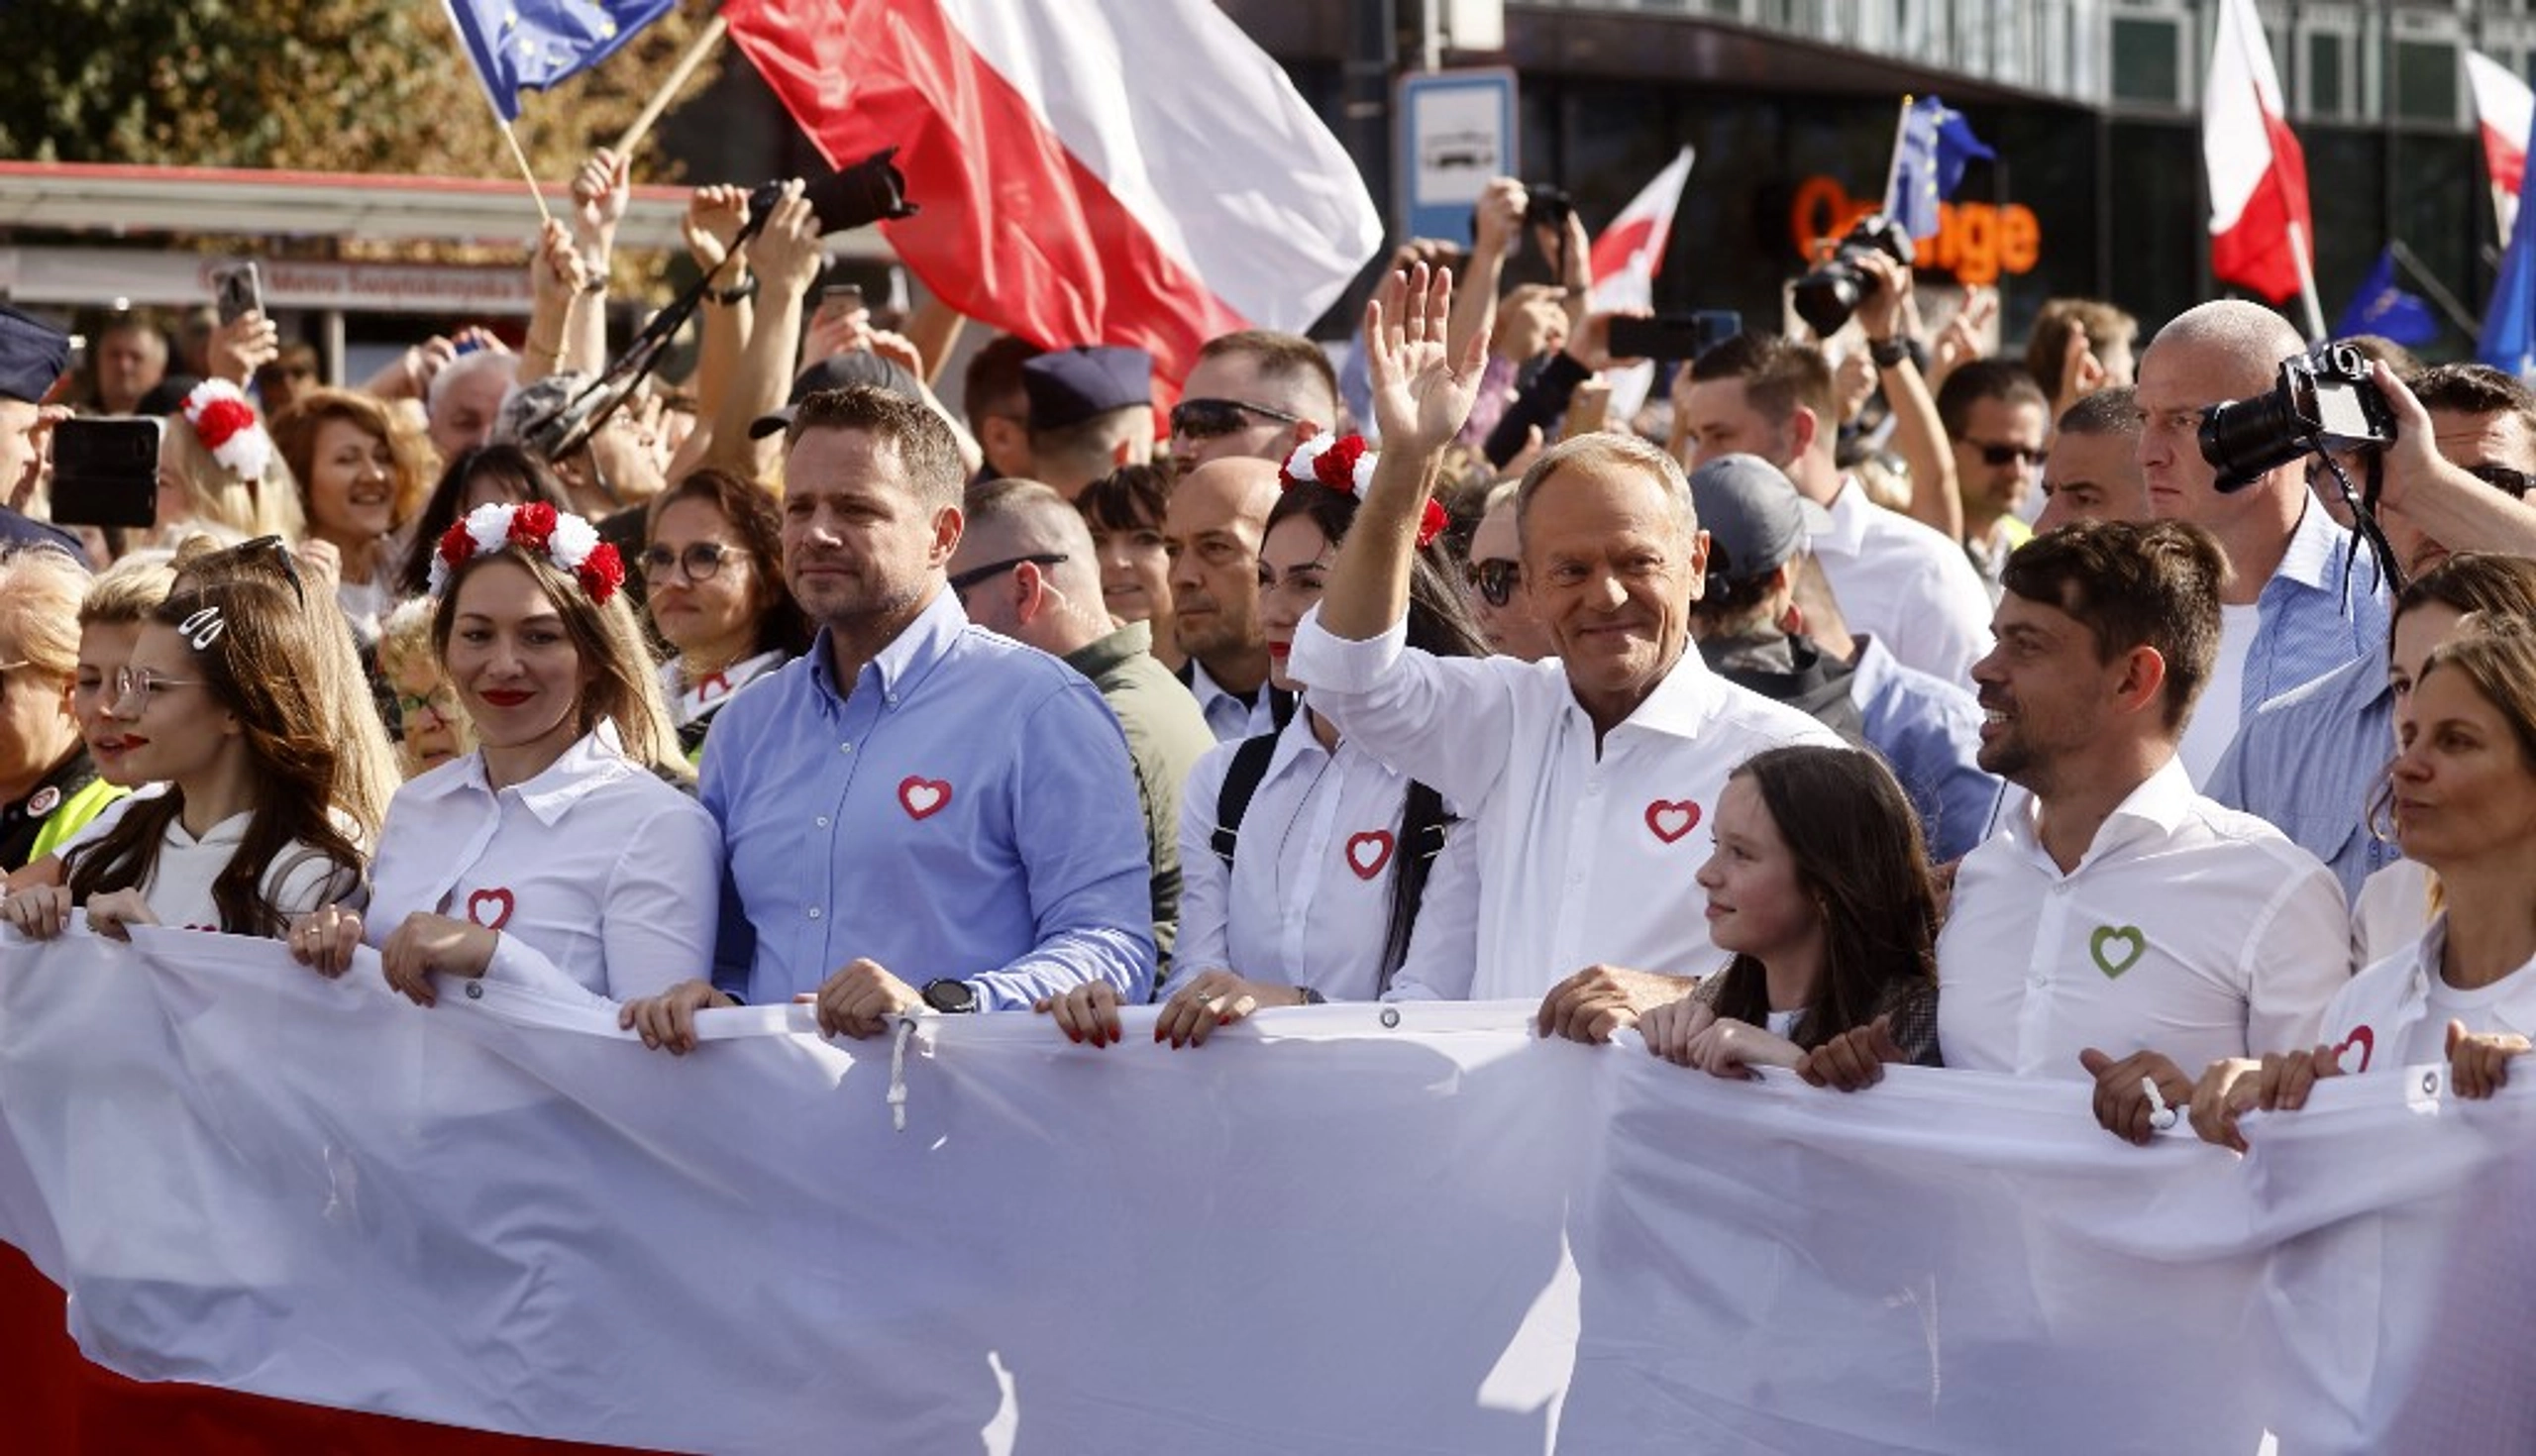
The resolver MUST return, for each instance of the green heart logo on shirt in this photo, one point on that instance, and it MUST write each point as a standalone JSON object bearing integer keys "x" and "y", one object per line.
{"x": 2116, "y": 948}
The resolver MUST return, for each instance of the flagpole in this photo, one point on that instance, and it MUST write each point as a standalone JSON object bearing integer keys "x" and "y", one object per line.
{"x": 704, "y": 44}
{"x": 2438, "y": 292}
{"x": 525, "y": 170}
{"x": 2306, "y": 283}
{"x": 1893, "y": 169}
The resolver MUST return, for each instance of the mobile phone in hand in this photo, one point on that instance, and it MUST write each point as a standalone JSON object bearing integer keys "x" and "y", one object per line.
{"x": 105, "y": 472}
{"x": 238, "y": 288}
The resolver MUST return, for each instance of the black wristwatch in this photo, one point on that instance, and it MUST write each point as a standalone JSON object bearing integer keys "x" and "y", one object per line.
{"x": 955, "y": 997}
{"x": 1888, "y": 353}
{"x": 745, "y": 289}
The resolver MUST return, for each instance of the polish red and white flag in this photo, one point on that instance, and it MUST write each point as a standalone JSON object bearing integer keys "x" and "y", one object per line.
{"x": 1625, "y": 261}
{"x": 1090, "y": 171}
{"x": 2261, "y": 232}
{"x": 2505, "y": 108}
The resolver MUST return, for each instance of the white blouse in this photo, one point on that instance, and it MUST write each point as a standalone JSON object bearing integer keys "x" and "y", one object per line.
{"x": 1307, "y": 899}
{"x": 177, "y": 889}
{"x": 600, "y": 879}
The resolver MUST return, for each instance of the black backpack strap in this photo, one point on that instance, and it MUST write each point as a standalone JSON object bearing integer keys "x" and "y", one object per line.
{"x": 1423, "y": 825}
{"x": 1281, "y": 705}
{"x": 1241, "y": 780}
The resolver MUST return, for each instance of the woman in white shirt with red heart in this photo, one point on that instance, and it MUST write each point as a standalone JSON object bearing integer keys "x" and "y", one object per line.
{"x": 218, "y": 700}
{"x": 1329, "y": 865}
{"x": 2464, "y": 795}
{"x": 557, "y": 856}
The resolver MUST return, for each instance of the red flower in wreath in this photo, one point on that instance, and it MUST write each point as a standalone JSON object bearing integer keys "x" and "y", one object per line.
{"x": 601, "y": 572}
{"x": 1335, "y": 467}
{"x": 456, "y": 546}
{"x": 531, "y": 525}
{"x": 219, "y": 419}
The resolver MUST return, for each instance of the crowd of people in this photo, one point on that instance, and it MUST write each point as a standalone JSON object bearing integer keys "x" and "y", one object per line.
{"x": 1862, "y": 700}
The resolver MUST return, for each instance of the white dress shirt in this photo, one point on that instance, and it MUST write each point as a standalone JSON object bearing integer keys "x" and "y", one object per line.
{"x": 2390, "y": 911}
{"x": 1586, "y": 858}
{"x": 1307, "y": 899}
{"x": 600, "y": 879}
{"x": 2395, "y": 1013}
{"x": 1232, "y": 718}
{"x": 2187, "y": 928}
{"x": 178, "y": 888}
{"x": 1905, "y": 585}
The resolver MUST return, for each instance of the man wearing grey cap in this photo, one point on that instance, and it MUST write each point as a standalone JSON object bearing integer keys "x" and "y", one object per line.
{"x": 1091, "y": 412}
{"x": 32, "y": 358}
{"x": 1751, "y": 633}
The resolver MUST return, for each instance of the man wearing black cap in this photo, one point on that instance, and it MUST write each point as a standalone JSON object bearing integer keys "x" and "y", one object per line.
{"x": 1091, "y": 412}
{"x": 32, "y": 358}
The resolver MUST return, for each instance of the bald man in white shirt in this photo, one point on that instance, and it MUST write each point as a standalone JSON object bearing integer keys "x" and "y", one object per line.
{"x": 1585, "y": 777}
{"x": 2119, "y": 926}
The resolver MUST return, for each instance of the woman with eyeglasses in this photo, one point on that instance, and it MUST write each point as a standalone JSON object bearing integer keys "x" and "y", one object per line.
{"x": 1306, "y": 863}
{"x": 714, "y": 564}
{"x": 217, "y": 701}
{"x": 1124, "y": 512}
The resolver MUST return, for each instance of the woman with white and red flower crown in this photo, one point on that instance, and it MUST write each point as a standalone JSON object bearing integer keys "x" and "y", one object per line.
{"x": 557, "y": 856}
{"x": 1304, "y": 862}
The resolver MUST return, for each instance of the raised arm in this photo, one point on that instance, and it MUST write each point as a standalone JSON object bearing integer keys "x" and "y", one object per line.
{"x": 714, "y": 216}
{"x": 1420, "y": 398}
{"x": 600, "y": 191}
{"x": 786, "y": 259}
{"x": 1918, "y": 435}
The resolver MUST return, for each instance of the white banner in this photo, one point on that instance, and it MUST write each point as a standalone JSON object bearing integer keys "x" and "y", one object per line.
{"x": 1335, "y": 1230}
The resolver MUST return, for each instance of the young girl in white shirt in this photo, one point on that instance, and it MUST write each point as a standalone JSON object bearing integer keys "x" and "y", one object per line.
{"x": 1313, "y": 897}
{"x": 557, "y": 856}
{"x": 2464, "y": 790}
{"x": 214, "y": 701}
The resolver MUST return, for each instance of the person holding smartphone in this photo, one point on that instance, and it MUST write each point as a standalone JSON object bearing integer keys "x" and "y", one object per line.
{"x": 32, "y": 359}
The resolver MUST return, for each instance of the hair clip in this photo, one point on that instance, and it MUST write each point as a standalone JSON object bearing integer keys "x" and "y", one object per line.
{"x": 203, "y": 628}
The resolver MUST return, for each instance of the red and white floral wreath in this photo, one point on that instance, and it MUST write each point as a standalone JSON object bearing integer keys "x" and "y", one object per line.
{"x": 1344, "y": 464}
{"x": 226, "y": 426}
{"x": 567, "y": 541}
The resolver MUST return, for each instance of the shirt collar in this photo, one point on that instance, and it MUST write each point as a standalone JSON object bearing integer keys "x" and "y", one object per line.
{"x": 2157, "y": 807}
{"x": 1680, "y": 705}
{"x": 2315, "y": 554}
{"x": 228, "y": 832}
{"x": 1203, "y": 685}
{"x": 910, "y": 656}
{"x": 594, "y": 758}
{"x": 1848, "y": 510}
{"x": 1096, "y": 658}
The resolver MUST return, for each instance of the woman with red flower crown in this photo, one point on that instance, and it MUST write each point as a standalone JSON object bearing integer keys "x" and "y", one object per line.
{"x": 557, "y": 856}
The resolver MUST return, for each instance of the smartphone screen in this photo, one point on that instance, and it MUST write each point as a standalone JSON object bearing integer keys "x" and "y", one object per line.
{"x": 105, "y": 472}
{"x": 238, "y": 288}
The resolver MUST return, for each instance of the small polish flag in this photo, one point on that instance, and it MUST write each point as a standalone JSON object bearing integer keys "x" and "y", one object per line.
{"x": 2261, "y": 229}
{"x": 1624, "y": 259}
{"x": 2505, "y": 108}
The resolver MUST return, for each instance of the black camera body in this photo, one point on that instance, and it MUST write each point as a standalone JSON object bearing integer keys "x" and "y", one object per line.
{"x": 869, "y": 191}
{"x": 1545, "y": 206}
{"x": 2326, "y": 402}
{"x": 1826, "y": 297}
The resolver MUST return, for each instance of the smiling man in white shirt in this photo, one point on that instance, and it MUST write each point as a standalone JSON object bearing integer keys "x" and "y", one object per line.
{"x": 1585, "y": 776}
{"x": 2120, "y": 926}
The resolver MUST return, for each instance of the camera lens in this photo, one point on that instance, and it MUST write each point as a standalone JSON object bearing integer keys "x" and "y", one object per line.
{"x": 1826, "y": 297}
{"x": 2245, "y": 439}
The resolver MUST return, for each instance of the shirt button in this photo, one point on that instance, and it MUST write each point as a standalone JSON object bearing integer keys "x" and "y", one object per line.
{"x": 823, "y": 821}
{"x": 815, "y": 912}
{"x": 890, "y": 699}
{"x": 845, "y": 748}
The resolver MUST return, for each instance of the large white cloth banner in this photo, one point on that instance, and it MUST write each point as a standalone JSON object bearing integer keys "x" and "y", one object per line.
{"x": 1343, "y": 1229}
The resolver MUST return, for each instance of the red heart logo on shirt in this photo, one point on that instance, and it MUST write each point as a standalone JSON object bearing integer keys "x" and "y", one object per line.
{"x": 480, "y": 900}
{"x": 1368, "y": 852}
{"x": 1671, "y": 819}
{"x": 2363, "y": 1038}
{"x": 923, "y": 798}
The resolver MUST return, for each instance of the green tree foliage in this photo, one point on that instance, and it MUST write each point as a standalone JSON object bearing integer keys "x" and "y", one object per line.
{"x": 323, "y": 85}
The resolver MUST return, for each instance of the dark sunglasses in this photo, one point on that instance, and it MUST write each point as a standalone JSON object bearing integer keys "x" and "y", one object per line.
{"x": 1496, "y": 580}
{"x": 961, "y": 583}
{"x": 270, "y": 552}
{"x": 1204, "y": 419}
{"x": 701, "y": 562}
{"x": 2000, "y": 455}
{"x": 2509, "y": 482}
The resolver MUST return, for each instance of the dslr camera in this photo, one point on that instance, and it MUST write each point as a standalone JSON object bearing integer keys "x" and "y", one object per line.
{"x": 1546, "y": 206}
{"x": 1826, "y": 297}
{"x": 870, "y": 190}
{"x": 2326, "y": 402}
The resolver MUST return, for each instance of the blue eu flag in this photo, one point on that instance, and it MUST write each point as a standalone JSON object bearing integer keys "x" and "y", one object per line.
{"x": 533, "y": 44}
{"x": 1937, "y": 144}
{"x": 2382, "y": 309}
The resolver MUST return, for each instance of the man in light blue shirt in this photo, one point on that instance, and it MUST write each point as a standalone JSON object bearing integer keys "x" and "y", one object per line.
{"x": 918, "y": 812}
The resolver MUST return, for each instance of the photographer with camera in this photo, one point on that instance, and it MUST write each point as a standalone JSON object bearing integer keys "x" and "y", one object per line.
{"x": 2463, "y": 457}
{"x": 2295, "y": 605}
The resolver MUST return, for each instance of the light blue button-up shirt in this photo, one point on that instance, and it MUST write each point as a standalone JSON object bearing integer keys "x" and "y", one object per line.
{"x": 967, "y": 811}
{"x": 1930, "y": 731}
{"x": 2311, "y": 760}
{"x": 2314, "y": 615}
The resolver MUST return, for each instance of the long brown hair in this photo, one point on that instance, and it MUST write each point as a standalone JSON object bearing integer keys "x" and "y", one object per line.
{"x": 1859, "y": 855}
{"x": 294, "y": 433}
{"x": 624, "y": 689}
{"x": 261, "y": 666}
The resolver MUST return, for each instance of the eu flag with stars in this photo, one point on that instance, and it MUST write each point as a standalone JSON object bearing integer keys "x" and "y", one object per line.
{"x": 533, "y": 44}
{"x": 2387, "y": 311}
{"x": 1937, "y": 144}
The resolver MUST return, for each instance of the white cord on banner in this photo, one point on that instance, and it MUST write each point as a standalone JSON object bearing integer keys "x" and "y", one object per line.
{"x": 899, "y": 1072}
{"x": 2161, "y": 1117}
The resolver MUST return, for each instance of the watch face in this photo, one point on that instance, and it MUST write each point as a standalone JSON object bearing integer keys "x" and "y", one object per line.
{"x": 950, "y": 996}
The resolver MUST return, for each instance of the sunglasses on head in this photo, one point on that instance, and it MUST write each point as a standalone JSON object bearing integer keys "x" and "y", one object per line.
{"x": 270, "y": 552}
{"x": 2000, "y": 455}
{"x": 1495, "y": 580}
{"x": 961, "y": 583}
{"x": 2509, "y": 482}
{"x": 1204, "y": 419}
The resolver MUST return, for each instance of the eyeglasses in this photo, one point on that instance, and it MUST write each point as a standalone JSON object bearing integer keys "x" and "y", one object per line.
{"x": 961, "y": 583}
{"x": 1204, "y": 419}
{"x": 134, "y": 689}
{"x": 1496, "y": 580}
{"x": 701, "y": 562}
{"x": 2509, "y": 482}
{"x": 2000, "y": 455}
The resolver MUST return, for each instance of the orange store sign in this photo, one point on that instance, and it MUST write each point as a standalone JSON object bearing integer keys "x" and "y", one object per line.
{"x": 1976, "y": 241}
